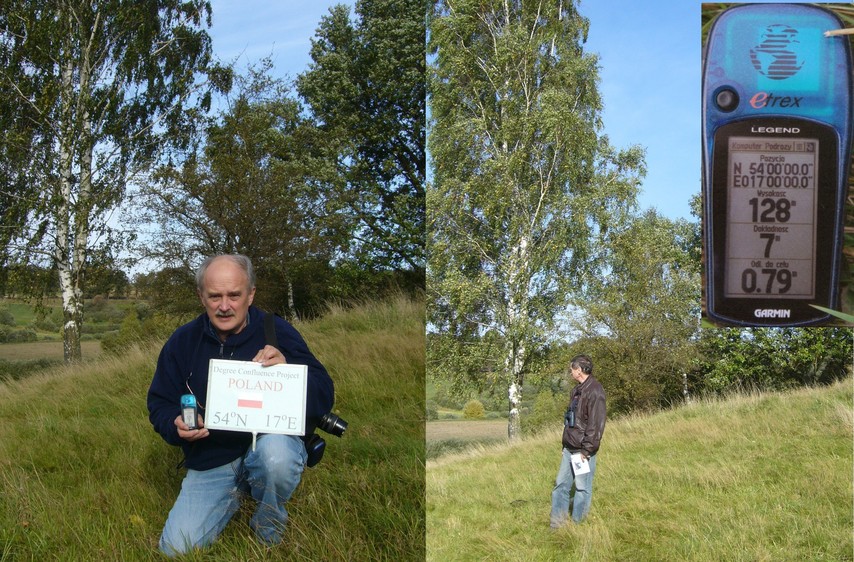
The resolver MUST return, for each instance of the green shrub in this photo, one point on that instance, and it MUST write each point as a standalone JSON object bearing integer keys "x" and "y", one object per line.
{"x": 45, "y": 324}
{"x": 6, "y": 317}
{"x": 547, "y": 410}
{"x": 158, "y": 326}
{"x": 437, "y": 449}
{"x": 100, "y": 310}
{"x": 16, "y": 370}
{"x": 432, "y": 411}
{"x": 26, "y": 335}
{"x": 473, "y": 410}
{"x": 23, "y": 335}
{"x": 129, "y": 333}
{"x": 98, "y": 329}
{"x": 494, "y": 401}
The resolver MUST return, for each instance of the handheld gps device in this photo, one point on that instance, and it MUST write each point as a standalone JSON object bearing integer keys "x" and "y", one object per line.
{"x": 189, "y": 411}
{"x": 777, "y": 122}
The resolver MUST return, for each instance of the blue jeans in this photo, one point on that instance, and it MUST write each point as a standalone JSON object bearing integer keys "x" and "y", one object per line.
{"x": 209, "y": 498}
{"x": 562, "y": 498}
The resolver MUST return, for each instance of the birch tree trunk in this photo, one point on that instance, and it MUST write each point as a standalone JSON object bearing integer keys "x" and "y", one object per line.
{"x": 517, "y": 319}
{"x": 66, "y": 248}
{"x": 291, "y": 308}
{"x": 73, "y": 221}
{"x": 517, "y": 377}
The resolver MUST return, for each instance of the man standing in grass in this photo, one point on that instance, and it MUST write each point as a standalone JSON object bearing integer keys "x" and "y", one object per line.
{"x": 584, "y": 424}
{"x": 219, "y": 463}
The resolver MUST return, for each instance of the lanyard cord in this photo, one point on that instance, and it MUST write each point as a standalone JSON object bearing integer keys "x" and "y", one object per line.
{"x": 195, "y": 353}
{"x": 192, "y": 360}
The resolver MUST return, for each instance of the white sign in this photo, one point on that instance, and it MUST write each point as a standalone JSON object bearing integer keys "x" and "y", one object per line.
{"x": 244, "y": 396}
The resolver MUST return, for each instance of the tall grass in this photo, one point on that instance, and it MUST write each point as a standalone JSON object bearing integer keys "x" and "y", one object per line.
{"x": 83, "y": 476}
{"x": 759, "y": 477}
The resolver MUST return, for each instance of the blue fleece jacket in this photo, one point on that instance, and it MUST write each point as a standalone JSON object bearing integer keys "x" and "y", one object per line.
{"x": 184, "y": 361}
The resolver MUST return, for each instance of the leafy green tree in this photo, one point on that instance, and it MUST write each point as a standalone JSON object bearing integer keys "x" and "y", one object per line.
{"x": 547, "y": 412}
{"x": 250, "y": 187}
{"x": 130, "y": 332}
{"x": 104, "y": 276}
{"x": 638, "y": 319}
{"x": 6, "y": 317}
{"x": 526, "y": 188}
{"x": 772, "y": 358}
{"x": 98, "y": 89}
{"x": 366, "y": 87}
{"x": 432, "y": 411}
{"x": 23, "y": 280}
{"x": 172, "y": 291}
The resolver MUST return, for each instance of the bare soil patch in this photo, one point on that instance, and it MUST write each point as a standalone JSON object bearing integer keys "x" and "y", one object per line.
{"x": 466, "y": 430}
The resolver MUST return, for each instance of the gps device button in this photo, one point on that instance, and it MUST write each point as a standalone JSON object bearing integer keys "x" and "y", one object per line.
{"x": 726, "y": 100}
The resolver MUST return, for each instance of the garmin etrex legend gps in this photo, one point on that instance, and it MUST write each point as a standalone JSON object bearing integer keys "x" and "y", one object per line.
{"x": 777, "y": 124}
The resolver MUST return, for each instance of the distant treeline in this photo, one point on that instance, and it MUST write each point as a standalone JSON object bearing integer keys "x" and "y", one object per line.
{"x": 172, "y": 290}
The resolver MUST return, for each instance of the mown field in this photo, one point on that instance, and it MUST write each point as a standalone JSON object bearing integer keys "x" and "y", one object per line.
{"x": 44, "y": 350}
{"x": 761, "y": 477}
{"x": 84, "y": 477}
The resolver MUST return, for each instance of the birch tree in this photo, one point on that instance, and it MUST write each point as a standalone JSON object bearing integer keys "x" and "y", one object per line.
{"x": 96, "y": 88}
{"x": 525, "y": 185}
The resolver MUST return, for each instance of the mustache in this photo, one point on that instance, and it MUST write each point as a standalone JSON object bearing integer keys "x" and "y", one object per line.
{"x": 228, "y": 314}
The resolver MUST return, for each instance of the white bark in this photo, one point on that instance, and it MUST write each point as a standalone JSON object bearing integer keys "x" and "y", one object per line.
{"x": 517, "y": 316}
{"x": 514, "y": 425}
{"x": 65, "y": 250}
{"x": 291, "y": 308}
{"x": 685, "y": 392}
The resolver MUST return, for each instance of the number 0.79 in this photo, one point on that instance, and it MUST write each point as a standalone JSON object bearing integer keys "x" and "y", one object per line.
{"x": 783, "y": 277}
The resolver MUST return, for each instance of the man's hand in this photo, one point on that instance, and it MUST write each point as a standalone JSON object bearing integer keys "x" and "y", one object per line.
{"x": 191, "y": 435}
{"x": 269, "y": 356}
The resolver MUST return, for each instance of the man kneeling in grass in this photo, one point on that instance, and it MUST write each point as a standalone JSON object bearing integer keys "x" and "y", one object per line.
{"x": 219, "y": 464}
{"x": 584, "y": 423}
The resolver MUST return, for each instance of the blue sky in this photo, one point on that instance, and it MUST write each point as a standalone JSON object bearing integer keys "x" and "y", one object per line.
{"x": 249, "y": 30}
{"x": 650, "y": 66}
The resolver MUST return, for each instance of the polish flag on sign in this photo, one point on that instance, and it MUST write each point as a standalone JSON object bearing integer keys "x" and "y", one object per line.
{"x": 250, "y": 400}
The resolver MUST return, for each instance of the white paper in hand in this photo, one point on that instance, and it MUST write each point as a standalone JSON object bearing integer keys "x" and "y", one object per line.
{"x": 579, "y": 464}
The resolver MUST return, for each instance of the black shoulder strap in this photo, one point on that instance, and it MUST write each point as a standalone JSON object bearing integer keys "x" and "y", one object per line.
{"x": 270, "y": 329}
{"x": 309, "y": 437}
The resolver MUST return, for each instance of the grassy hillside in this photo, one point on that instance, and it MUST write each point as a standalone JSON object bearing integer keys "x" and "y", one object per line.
{"x": 84, "y": 477}
{"x": 761, "y": 477}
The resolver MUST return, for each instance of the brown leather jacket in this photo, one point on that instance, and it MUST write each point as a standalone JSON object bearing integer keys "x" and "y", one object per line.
{"x": 589, "y": 418}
